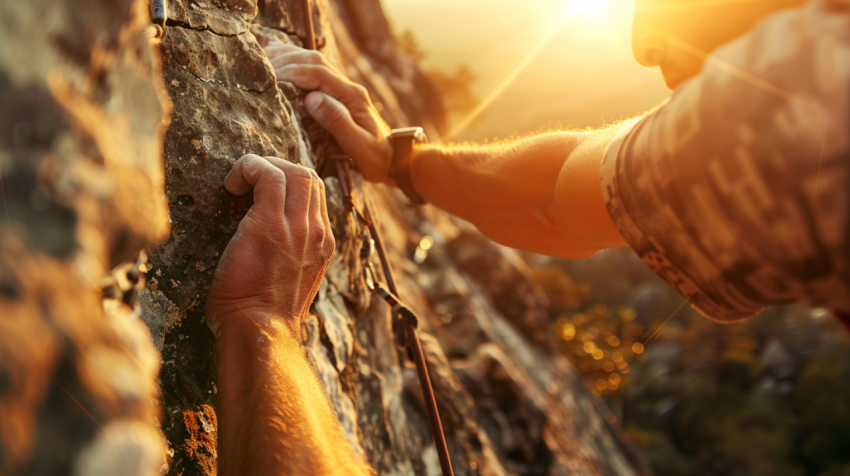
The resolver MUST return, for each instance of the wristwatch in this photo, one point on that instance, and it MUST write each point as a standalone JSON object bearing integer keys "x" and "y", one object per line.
{"x": 402, "y": 142}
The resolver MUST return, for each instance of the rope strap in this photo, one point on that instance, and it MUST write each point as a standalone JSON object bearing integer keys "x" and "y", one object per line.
{"x": 406, "y": 317}
{"x": 405, "y": 322}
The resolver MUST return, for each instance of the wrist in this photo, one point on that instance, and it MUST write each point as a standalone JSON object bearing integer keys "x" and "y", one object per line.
{"x": 252, "y": 321}
{"x": 429, "y": 163}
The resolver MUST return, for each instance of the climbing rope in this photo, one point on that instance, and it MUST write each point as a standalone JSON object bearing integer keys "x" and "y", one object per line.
{"x": 307, "y": 19}
{"x": 405, "y": 323}
{"x": 409, "y": 332}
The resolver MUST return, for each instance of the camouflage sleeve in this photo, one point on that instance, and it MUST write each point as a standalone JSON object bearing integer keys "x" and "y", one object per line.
{"x": 736, "y": 191}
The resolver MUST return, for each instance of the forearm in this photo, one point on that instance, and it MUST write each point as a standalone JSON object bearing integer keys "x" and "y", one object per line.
{"x": 475, "y": 180}
{"x": 510, "y": 190}
{"x": 274, "y": 417}
{"x": 535, "y": 193}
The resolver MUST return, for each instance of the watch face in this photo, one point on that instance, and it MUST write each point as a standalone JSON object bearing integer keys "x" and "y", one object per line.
{"x": 417, "y": 133}
{"x": 420, "y": 135}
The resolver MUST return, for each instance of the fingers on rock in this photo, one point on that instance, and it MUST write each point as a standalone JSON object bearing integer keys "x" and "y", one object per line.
{"x": 320, "y": 228}
{"x": 329, "y": 112}
{"x": 237, "y": 181}
{"x": 314, "y": 57}
{"x": 305, "y": 76}
{"x": 255, "y": 172}
{"x": 296, "y": 59}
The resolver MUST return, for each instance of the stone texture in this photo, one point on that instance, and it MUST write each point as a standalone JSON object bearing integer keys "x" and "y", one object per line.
{"x": 509, "y": 407}
{"x": 226, "y": 104}
{"x": 505, "y": 277}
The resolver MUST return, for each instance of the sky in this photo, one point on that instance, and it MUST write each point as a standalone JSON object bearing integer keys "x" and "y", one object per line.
{"x": 584, "y": 75}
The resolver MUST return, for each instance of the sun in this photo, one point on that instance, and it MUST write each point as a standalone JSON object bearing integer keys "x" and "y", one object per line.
{"x": 584, "y": 8}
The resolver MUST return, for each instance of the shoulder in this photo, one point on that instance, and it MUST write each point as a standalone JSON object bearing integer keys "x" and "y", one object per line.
{"x": 797, "y": 51}
{"x": 733, "y": 191}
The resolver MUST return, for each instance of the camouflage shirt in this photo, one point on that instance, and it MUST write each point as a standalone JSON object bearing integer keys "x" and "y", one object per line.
{"x": 736, "y": 190}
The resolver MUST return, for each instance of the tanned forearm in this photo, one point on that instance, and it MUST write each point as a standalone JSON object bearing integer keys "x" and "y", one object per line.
{"x": 274, "y": 418}
{"x": 540, "y": 194}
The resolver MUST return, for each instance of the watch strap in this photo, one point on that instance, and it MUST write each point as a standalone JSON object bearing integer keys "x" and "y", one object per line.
{"x": 402, "y": 142}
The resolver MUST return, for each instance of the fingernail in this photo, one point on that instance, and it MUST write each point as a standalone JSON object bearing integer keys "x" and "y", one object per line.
{"x": 313, "y": 101}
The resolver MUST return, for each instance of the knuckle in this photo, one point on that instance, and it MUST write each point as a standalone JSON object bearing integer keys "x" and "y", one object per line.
{"x": 300, "y": 173}
{"x": 317, "y": 233}
{"x": 248, "y": 157}
{"x": 326, "y": 239}
{"x": 312, "y": 70}
{"x": 314, "y": 57}
{"x": 272, "y": 171}
{"x": 330, "y": 245}
{"x": 278, "y": 176}
{"x": 361, "y": 92}
{"x": 281, "y": 72}
{"x": 293, "y": 70}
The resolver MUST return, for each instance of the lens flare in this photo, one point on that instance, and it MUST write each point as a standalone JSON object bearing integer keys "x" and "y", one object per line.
{"x": 572, "y": 11}
{"x": 584, "y": 8}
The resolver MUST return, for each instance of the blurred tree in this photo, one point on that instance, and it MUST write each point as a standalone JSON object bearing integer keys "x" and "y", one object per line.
{"x": 601, "y": 343}
{"x": 733, "y": 414}
{"x": 407, "y": 43}
{"x": 822, "y": 401}
{"x": 564, "y": 293}
{"x": 455, "y": 88}
{"x": 767, "y": 396}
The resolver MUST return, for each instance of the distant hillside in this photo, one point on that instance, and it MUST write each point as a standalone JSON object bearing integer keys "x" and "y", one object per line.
{"x": 586, "y": 76}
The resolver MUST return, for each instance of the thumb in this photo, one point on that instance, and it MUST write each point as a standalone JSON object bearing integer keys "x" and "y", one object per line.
{"x": 353, "y": 139}
{"x": 335, "y": 117}
{"x": 330, "y": 113}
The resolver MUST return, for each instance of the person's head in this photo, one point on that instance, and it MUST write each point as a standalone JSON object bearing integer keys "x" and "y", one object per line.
{"x": 671, "y": 34}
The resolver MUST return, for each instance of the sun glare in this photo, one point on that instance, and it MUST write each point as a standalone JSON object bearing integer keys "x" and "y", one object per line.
{"x": 584, "y": 8}
{"x": 591, "y": 14}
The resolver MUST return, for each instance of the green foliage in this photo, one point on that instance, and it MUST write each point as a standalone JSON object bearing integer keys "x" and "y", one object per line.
{"x": 564, "y": 293}
{"x": 727, "y": 421}
{"x": 601, "y": 343}
{"x": 822, "y": 401}
{"x": 768, "y": 396}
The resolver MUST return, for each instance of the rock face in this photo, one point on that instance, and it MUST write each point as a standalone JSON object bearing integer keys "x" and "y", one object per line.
{"x": 80, "y": 158}
{"x": 508, "y": 406}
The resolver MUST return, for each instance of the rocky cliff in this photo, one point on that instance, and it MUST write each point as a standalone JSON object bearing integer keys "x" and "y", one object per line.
{"x": 80, "y": 156}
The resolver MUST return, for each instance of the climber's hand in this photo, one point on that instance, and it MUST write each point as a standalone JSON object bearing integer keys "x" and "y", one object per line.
{"x": 339, "y": 105}
{"x": 275, "y": 262}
